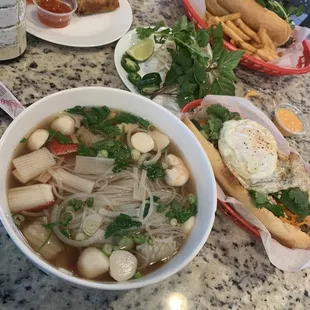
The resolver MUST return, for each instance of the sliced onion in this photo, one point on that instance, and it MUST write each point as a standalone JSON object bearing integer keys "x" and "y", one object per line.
{"x": 78, "y": 244}
{"x": 91, "y": 224}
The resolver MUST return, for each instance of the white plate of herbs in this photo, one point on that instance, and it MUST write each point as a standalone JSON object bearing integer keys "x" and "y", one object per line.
{"x": 174, "y": 66}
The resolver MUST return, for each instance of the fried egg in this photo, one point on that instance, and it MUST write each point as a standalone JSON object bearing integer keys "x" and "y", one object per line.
{"x": 251, "y": 154}
{"x": 248, "y": 149}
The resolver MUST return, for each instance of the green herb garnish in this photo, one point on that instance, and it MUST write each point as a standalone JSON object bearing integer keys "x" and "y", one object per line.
{"x": 121, "y": 225}
{"x": 261, "y": 200}
{"x": 62, "y": 139}
{"x": 217, "y": 115}
{"x": 154, "y": 171}
{"x": 147, "y": 205}
{"x": 194, "y": 72}
{"x": 116, "y": 150}
{"x": 128, "y": 118}
{"x": 182, "y": 213}
{"x": 296, "y": 200}
{"x": 90, "y": 202}
{"x": 23, "y": 140}
{"x": 161, "y": 208}
{"x": 92, "y": 116}
{"x": 83, "y": 150}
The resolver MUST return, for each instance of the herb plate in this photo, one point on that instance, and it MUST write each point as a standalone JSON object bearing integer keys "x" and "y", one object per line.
{"x": 151, "y": 65}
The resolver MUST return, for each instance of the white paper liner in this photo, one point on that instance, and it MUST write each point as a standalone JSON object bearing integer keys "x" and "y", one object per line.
{"x": 290, "y": 56}
{"x": 280, "y": 256}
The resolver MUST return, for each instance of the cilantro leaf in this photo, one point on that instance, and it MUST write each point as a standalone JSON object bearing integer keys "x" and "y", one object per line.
{"x": 77, "y": 110}
{"x": 154, "y": 171}
{"x": 116, "y": 150}
{"x": 62, "y": 139}
{"x": 23, "y": 140}
{"x": 222, "y": 113}
{"x": 92, "y": 116}
{"x": 295, "y": 200}
{"x": 83, "y": 150}
{"x": 261, "y": 200}
{"x": 128, "y": 118}
{"x": 217, "y": 115}
{"x": 121, "y": 225}
{"x": 181, "y": 213}
{"x": 144, "y": 33}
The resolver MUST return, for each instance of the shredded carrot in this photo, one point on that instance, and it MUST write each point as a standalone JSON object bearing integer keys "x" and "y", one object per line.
{"x": 202, "y": 122}
{"x": 292, "y": 219}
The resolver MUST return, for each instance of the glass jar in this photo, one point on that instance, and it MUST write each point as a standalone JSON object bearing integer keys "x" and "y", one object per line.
{"x": 13, "y": 41}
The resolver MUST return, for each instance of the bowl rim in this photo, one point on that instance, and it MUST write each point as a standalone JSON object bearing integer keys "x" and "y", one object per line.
{"x": 297, "y": 112}
{"x": 118, "y": 286}
{"x": 73, "y": 9}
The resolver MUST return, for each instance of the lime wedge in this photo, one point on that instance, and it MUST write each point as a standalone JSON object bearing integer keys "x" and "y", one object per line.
{"x": 142, "y": 50}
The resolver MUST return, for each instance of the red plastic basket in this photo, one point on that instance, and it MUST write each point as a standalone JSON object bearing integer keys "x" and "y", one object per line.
{"x": 250, "y": 61}
{"x": 225, "y": 207}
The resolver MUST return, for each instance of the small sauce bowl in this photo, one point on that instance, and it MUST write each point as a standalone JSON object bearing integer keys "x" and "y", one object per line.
{"x": 290, "y": 120}
{"x": 55, "y": 13}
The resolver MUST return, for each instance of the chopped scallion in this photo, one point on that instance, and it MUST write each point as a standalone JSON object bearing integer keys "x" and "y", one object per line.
{"x": 126, "y": 243}
{"x": 107, "y": 249}
{"x": 18, "y": 219}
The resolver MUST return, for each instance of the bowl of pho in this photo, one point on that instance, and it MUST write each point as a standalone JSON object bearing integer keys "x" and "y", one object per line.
{"x": 105, "y": 189}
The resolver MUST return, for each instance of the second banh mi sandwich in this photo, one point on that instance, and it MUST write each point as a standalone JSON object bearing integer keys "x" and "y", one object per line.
{"x": 255, "y": 16}
{"x": 250, "y": 168}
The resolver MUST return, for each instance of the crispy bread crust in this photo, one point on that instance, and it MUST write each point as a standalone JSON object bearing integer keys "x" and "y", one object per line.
{"x": 285, "y": 233}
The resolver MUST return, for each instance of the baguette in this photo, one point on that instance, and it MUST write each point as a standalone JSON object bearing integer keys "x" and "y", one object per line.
{"x": 254, "y": 15}
{"x": 285, "y": 233}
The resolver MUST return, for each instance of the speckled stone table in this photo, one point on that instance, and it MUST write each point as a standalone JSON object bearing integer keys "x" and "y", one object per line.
{"x": 232, "y": 270}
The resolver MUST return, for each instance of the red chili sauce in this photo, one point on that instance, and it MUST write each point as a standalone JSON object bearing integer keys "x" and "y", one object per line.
{"x": 56, "y": 7}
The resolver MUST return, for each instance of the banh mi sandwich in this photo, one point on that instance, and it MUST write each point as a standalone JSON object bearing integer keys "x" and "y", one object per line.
{"x": 249, "y": 167}
{"x": 255, "y": 16}
{"x": 87, "y": 7}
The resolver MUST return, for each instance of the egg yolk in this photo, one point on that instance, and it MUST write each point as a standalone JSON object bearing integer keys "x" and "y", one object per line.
{"x": 289, "y": 120}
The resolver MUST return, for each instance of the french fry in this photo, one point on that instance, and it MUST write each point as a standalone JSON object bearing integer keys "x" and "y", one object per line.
{"x": 234, "y": 16}
{"x": 270, "y": 43}
{"x": 247, "y": 46}
{"x": 264, "y": 55}
{"x": 255, "y": 44}
{"x": 228, "y": 31}
{"x": 212, "y": 20}
{"x": 246, "y": 29}
{"x": 262, "y": 36}
{"x": 271, "y": 53}
{"x": 256, "y": 56}
{"x": 239, "y": 32}
{"x": 232, "y": 42}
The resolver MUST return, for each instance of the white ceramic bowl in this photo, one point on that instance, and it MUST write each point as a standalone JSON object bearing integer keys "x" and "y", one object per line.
{"x": 199, "y": 165}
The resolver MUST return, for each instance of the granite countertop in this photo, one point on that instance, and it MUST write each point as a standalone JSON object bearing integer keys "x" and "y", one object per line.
{"x": 232, "y": 270}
